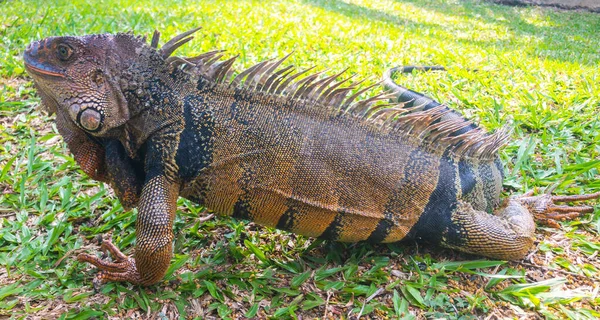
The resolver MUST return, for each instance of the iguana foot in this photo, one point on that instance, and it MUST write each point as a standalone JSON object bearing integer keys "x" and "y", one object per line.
{"x": 121, "y": 269}
{"x": 546, "y": 212}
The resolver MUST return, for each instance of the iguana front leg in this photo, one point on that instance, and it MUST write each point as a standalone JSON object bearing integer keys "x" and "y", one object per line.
{"x": 154, "y": 234}
{"x": 509, "y": 233}
{"x": 125, "y": 175}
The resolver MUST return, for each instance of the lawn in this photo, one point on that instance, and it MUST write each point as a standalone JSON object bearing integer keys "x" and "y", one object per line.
{"x": 534, "y": 70}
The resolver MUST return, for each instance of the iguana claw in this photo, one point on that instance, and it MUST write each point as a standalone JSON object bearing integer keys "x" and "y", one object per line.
{"x": 546, "y": 212}
{"x": 123, "y": 268}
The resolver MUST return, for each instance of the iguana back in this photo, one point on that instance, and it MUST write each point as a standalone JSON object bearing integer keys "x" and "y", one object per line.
{"x": 313, "y": 170}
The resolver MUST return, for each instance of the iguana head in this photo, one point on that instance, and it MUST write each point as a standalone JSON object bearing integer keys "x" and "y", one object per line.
{"x": 78, "y": 78}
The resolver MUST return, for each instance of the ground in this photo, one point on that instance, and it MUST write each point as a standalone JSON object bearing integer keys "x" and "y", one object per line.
{"x": 535, "y": 70}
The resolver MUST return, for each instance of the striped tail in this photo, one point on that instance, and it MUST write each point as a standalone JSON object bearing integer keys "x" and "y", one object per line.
{"x": 418, "y": 100}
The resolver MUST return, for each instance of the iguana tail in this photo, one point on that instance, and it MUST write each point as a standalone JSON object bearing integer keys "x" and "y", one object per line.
{"x": 415, "y": 99}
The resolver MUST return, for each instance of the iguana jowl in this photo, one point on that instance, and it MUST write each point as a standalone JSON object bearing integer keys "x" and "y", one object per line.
{"x": 285, "y": 149}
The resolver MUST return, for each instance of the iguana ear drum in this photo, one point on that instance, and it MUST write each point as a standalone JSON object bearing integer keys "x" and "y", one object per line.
{"x": 90, "y": 119}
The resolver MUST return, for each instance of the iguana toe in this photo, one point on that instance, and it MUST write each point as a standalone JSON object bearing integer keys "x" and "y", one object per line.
{"x": 123, "y": 268}
{"x": 547, "y": 212}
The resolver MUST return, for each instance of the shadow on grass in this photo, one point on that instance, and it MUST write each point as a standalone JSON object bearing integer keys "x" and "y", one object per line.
{"x": 564, "y": 36}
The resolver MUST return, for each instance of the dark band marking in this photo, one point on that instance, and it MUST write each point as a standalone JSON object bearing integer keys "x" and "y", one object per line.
{"x": 333, "y": 230}
{"x": 381, "y": 231}
{"x": 286, "y": 221}
{"x": 197, "y": 139}
{"x": 346, "y": 199}
{"x": 436, "y": 217}
{"x": 236, "y": 108}
{"x": 245, "y": 118}
{"x": 467, "y": 177}
{"x": 500, "y": 167}
{"x": 489, "y": 185}
{"x": 242, "y": 209}
{"x": 408, "y": 185}
{"x": 409, "y": 97}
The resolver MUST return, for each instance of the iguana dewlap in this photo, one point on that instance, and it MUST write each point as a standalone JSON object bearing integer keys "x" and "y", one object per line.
{"x": 282, "y": 148}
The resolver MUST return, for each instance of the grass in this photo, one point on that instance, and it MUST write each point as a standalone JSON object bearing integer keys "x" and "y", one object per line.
{"x": 538, "y": 72}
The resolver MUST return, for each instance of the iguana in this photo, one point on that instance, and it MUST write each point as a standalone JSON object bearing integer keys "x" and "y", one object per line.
{"x": 285, "y": 149}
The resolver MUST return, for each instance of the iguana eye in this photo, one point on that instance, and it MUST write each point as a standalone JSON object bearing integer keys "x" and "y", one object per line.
{"x": 64, "y": 52}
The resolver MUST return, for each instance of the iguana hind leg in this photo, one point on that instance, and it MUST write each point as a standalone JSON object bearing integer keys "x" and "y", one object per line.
{"x": 509, "y": 233}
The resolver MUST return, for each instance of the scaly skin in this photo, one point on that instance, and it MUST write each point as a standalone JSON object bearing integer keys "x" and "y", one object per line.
{"x": 298, "y": 155}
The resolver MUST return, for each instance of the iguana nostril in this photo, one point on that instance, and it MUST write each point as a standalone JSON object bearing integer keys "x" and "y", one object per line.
{"x": 90, "y": 119}
{"x": 32, "y": 49}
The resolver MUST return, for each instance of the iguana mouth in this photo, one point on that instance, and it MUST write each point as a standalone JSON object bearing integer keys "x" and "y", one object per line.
{"x": 38, "y": 69}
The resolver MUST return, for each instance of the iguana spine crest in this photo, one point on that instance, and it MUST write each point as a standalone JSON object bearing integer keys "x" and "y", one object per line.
{"x": 424, "y": 126}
